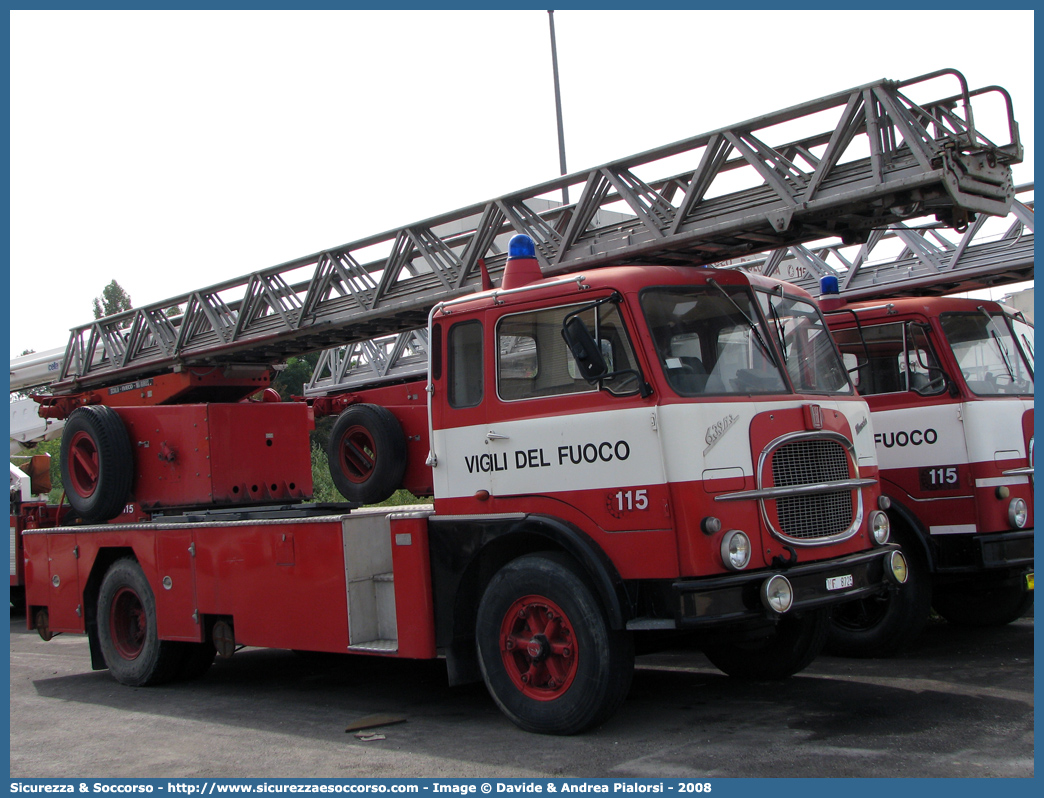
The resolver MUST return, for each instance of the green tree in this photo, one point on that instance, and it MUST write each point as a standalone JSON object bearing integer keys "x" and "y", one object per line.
{"x": 113, "y": 300}
{"x": 291, "y": 380}
{"x": 323, "y": 489}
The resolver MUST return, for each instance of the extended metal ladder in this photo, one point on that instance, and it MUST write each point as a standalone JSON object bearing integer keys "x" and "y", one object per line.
{"x": 841, "y": 166}
{"x": 929, "y": 260}
{"x": 899, "y": 260}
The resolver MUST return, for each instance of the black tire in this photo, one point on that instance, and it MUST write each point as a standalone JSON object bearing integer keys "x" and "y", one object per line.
{"x": 881, "y": 625}
{"x": 97, "y": 463}
{"x": 987, "y": 605}
{"x": 790, "y": 648}
{"x": 579, "y": 669}
{"x": 127, "y": 633}
{"x": 367, "y": 453}
{"x": 196, "y": 659}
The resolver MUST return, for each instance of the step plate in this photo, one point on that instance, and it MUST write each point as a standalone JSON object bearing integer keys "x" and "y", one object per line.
{"x": 377, "y": 646}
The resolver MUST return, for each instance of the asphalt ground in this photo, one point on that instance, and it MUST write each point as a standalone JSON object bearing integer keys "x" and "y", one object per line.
{"x": 958, "y": 704}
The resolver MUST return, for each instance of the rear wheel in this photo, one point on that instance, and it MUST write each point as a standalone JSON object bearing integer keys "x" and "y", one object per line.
{"x": 548, "y": 655}
{"x": 367, "y": 453}
{"x": 788, "y": 649}
{"x": 127, "y": 632}
{"x": 880, "y": 625}
{"x": 994, "y": 604}
{"x": 97, "y": 463}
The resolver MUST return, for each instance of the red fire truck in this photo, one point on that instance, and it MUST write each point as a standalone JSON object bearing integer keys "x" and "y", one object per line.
{"x": 949, "y": 382}
{"x": 618, "y": 444}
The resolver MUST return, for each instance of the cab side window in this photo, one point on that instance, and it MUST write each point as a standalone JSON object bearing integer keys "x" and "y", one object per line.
{"x": 890, "y": 358}
{"x": 533, "y": 359}
{"x": 464, "y": 369}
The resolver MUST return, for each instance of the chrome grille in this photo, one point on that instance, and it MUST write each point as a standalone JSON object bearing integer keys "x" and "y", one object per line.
{"x": 809, "y": 462}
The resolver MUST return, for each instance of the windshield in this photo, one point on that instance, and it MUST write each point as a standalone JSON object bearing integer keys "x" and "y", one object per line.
{"x": 987, "y": 354}
{"x": 809, "y": 354}
{"x": 709, "y": 341}
{"x": 1024, "y": 338}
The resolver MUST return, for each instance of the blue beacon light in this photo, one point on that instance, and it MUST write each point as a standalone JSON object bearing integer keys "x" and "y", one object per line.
{"x": 828, "y": 286}
{"x": 521, "y": 246}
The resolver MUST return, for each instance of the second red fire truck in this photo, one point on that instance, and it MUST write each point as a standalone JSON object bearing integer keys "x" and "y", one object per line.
{"x": 949, "y": 382}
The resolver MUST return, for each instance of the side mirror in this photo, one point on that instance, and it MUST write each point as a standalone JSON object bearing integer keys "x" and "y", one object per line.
{"x": 585, "y": 350}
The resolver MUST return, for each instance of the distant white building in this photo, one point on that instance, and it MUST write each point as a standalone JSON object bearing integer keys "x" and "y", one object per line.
{"x": 1021, "y": 300}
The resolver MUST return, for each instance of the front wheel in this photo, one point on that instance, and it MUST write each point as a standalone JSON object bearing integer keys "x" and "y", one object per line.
{"x": 789, "y": 648}
{"x": 983, "y": 605}
{"x": 548, "y": 655}
{"x": 882, "y": 624}
{"x": 127, "y": 632}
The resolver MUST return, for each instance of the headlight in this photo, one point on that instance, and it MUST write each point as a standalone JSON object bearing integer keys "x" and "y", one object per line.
{"x": 898, "y": 570}
{"x": 777, "y": 594}
{"x": 735, "y": 550}
{"x": 879, "y": 527}
{"x": 1018, "y": 513}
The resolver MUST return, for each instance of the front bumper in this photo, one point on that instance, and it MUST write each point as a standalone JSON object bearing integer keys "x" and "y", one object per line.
{"x": 700, "y": 603}
{"x": 966, "y": 554}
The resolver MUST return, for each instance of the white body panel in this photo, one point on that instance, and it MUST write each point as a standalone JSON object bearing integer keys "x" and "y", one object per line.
{"x": 971, "y": 432}
{"x": 615, "y": 448}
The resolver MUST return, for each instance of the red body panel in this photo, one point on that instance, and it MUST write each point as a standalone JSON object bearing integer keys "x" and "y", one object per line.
{"x": 414, "y": 604}
{"x": 282, "y": 583}
{"x": 219, "y": 454}
{"x": 32, "y": 515}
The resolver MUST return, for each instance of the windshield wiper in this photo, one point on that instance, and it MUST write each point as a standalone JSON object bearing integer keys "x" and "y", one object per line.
{"x": 997, "y": 341}
{"x": 746, "y": 318}
{"x": 780, "y": 334}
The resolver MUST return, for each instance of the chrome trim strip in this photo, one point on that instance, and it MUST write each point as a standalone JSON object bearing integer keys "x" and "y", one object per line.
{"x": 1019, "y": 472}
{"x": 797, "y": 490}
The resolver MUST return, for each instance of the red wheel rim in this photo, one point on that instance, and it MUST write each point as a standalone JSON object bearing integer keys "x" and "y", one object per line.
{"x": 127, "y": 623}
{"x": 538, "y": 648}
{"x": 83, "y": 464}
{"x": 358, "y": 454}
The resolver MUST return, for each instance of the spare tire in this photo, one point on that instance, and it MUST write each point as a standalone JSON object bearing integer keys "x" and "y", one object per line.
{"x": 367, "y": 453}
{"x": 97, "y": 463}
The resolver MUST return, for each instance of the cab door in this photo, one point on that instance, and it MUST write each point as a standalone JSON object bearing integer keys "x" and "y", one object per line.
{"x": 553, "y": 436}
{"x": 464, "y": 462}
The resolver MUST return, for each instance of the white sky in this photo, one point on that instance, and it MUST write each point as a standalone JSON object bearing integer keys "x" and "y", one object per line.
{"x": 173, "y": 150}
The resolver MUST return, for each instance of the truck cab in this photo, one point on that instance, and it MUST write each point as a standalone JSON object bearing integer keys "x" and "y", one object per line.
{"x": 949, "y": 382}
{"x": 688, "y": 437}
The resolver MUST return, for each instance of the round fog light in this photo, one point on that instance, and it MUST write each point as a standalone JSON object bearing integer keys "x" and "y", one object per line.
{"x": 735, "y": 550}
{"x": 897, "y": 567}
{"x": 1018, "y": 513}
{"x": 880, "y": 528}
{"x": 777, "y": 594}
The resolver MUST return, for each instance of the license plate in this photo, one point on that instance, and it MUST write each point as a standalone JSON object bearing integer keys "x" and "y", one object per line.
{"x": 839, "y": 582}
{"x": 1029, "y": 581}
